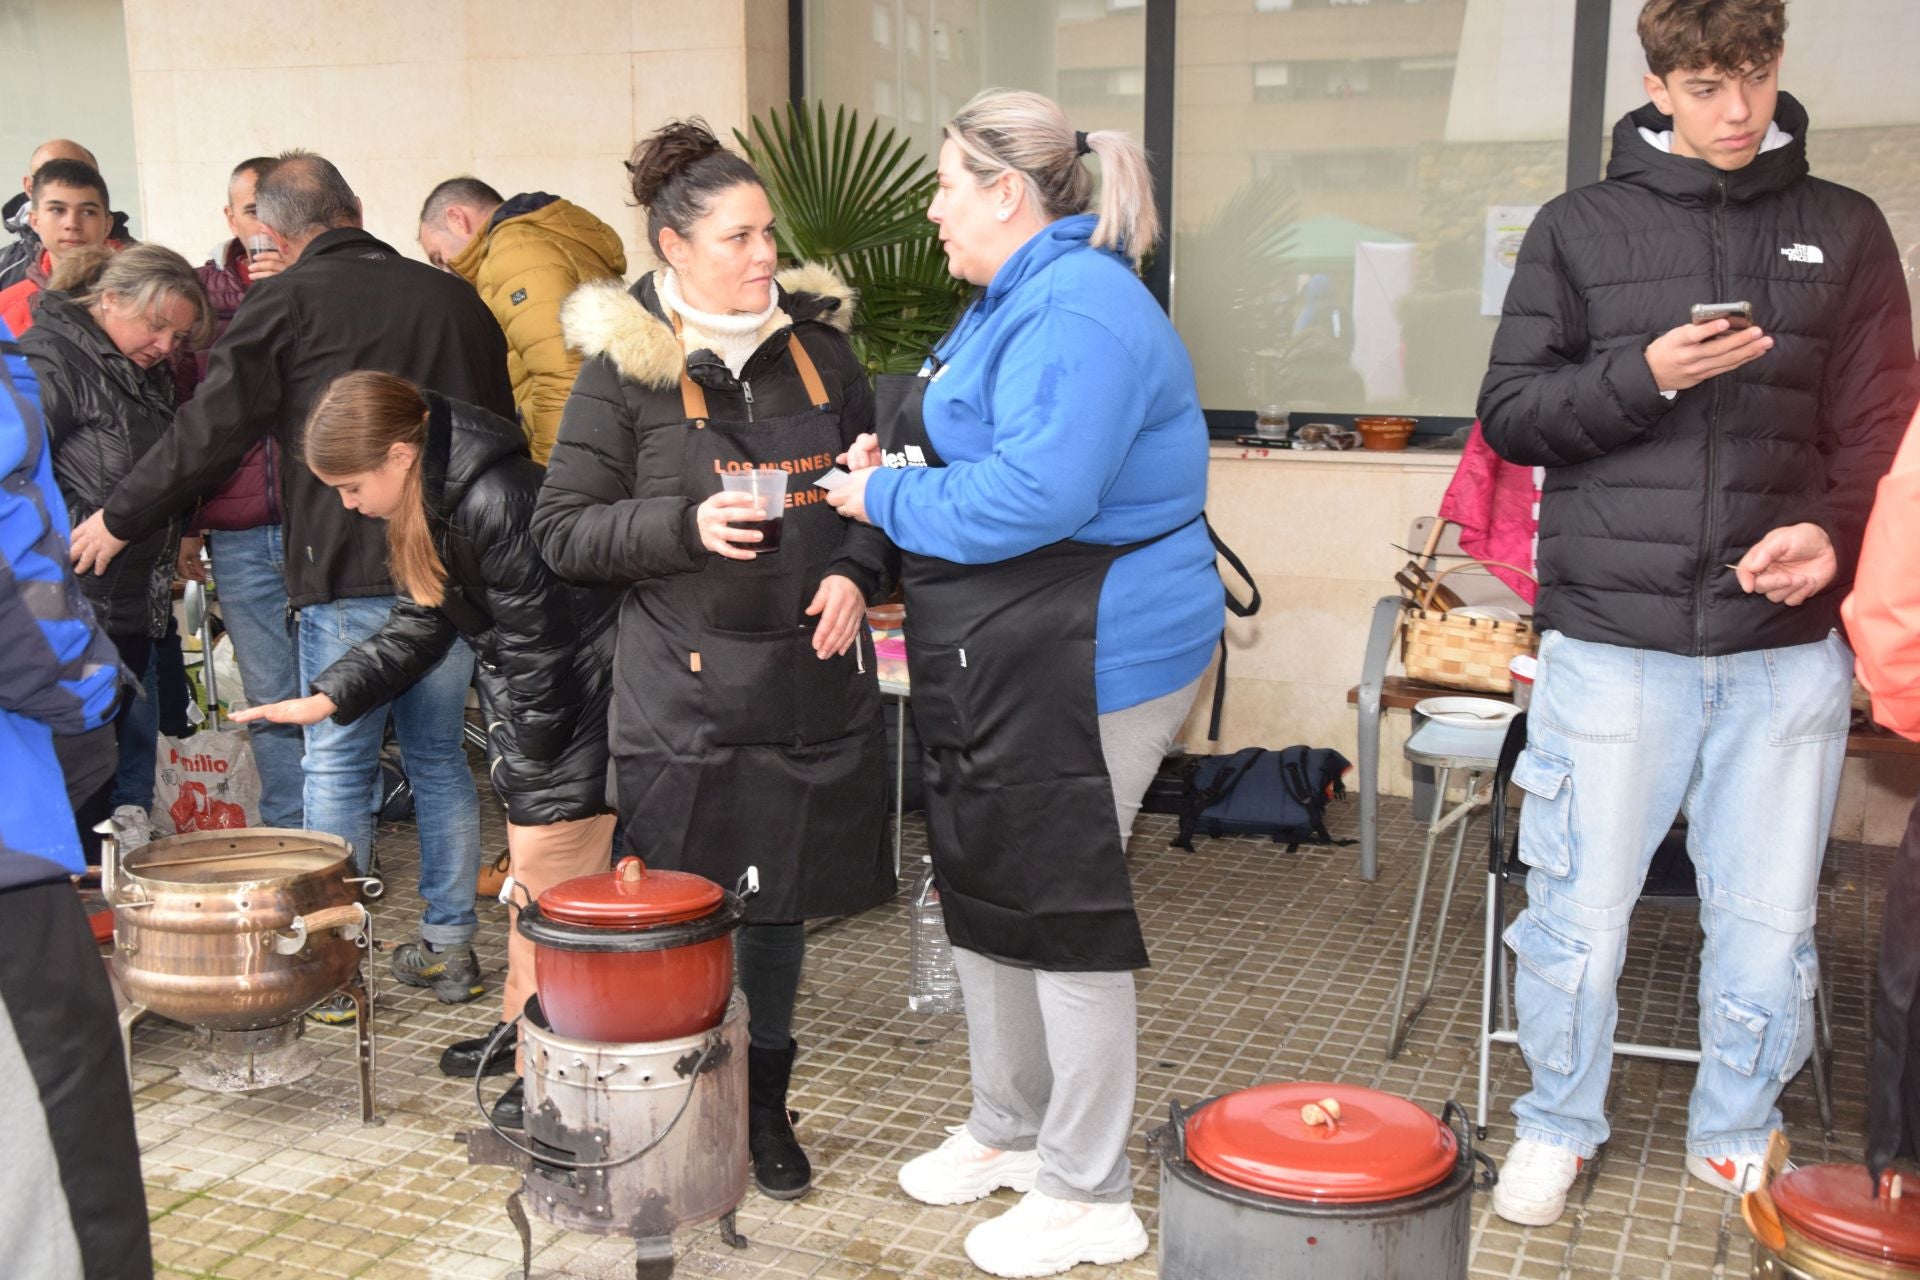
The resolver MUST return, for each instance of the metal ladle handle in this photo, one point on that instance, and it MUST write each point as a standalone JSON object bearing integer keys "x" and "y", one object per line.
{"x": 350, "y": 919}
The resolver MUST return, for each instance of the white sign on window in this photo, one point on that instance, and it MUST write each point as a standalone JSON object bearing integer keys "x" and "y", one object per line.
{"x": 1506, "y": 226}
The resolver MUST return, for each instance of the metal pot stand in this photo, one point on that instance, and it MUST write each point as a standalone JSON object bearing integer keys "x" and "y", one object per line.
{"x": 250, "y": 1058}
{"x": 616, "y": 1144}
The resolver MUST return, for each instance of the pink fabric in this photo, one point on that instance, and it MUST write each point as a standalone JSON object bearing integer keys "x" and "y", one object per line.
{"x": 1494, "y": 501}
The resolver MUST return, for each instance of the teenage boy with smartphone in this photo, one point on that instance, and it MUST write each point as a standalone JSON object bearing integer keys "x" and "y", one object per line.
{"x": 1705, "y": 495}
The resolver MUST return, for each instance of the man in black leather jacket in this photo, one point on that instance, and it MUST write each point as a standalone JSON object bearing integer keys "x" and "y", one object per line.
{"x": 347, "y": 302}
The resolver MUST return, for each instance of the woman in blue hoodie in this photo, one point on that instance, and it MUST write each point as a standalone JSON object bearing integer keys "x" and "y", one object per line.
{"x": 1043, "y": 477}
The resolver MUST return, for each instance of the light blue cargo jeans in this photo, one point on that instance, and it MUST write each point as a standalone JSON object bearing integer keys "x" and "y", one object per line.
{"x": 1749, "y": 746}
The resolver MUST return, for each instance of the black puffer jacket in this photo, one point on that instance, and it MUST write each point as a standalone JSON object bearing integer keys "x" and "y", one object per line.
{"x": 616, "y": 508}
{"x": 1647, "y": 499}
{"x": 543, "y": 649}
{"x": 103, "y": 411}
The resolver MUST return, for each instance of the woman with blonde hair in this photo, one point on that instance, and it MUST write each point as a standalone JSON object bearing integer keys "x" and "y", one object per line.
{"x": 457, "y": 487}
{"x": 102, "y": 336}
{"x": 1043, "y": 478}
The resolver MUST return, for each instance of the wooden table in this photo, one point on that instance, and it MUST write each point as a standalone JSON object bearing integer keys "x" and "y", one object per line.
{"x": 1398, "y": 693}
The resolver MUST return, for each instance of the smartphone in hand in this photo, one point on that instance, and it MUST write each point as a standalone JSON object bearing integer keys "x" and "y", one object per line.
{"x": 1738, "y": 315}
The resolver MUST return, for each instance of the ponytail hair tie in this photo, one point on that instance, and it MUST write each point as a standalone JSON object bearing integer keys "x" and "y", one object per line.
{"x": 1080, "y": 146}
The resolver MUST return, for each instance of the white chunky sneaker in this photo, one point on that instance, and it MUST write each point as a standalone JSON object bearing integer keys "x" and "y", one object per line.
{"x": 961, "y": 1170}
{"x": 1043, "y": 1236}
{"x": 1534, "y": 1180}
{"x": 1737, "y": 1173}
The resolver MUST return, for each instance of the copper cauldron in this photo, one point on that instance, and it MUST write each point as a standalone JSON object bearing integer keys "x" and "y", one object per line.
{"x": 235, "y": 930}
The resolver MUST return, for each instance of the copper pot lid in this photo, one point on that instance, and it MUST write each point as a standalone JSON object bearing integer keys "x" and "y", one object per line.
{"x": 1837, "y": 1205}
{"x": 1324, "y": 1143}
{"x": 631, "y": 896}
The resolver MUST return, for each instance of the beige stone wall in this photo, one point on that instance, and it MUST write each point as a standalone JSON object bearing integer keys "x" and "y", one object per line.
{"x": 1319, "y": 534}
{"x": 525, "y": 94}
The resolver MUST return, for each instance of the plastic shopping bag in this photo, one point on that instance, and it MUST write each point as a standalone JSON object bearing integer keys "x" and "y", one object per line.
{"x": 206, "y": 782}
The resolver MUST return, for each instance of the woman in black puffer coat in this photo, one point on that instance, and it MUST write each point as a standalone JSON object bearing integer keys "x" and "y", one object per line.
{"x": 457, "y": 486}
{"x": 100, "y": 345}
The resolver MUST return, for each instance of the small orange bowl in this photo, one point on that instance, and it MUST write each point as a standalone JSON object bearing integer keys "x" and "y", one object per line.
{"x": 1384, "y": 433}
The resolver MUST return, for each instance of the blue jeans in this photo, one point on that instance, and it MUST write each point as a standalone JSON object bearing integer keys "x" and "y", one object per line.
{"x": 249, "y": 570}
{"x": 343, "y": 766}
{"x": 161, "y": 707}
{"x": 1749, "y": 746}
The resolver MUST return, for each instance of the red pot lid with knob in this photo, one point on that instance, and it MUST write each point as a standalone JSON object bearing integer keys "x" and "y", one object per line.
{"x": 1285, "y": 1140}
{"x": 1835, "y": 1205}
{"x": 631, "y": 896}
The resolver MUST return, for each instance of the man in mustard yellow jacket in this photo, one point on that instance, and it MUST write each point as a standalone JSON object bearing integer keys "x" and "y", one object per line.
{"x": 524, "y": 255}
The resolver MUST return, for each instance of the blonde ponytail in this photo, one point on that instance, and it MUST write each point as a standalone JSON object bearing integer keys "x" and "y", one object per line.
{"x": 1129, "y": 219}
{"x": 1028, "y": 133}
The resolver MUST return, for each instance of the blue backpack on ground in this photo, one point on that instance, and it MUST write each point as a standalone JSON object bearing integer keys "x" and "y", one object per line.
{"x": 1256, "y": 792}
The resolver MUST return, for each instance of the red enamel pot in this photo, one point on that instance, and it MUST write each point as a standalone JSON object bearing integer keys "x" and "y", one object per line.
{"x": 632, "y": 955}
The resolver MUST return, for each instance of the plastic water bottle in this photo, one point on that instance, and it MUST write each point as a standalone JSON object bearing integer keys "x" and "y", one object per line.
{"x": 935, "y": 987}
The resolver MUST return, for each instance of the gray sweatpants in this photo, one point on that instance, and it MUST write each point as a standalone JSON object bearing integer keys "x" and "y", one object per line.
{"x": 1053, "y": 1053}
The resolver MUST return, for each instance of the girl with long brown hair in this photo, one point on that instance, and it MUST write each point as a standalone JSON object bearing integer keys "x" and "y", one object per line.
{"x": 457, "y": 487}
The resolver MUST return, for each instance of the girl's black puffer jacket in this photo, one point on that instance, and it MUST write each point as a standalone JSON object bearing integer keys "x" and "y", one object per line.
{"x": 543, "y": 649}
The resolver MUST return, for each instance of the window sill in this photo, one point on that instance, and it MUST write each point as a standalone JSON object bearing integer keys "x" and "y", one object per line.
{"x": 1384, "y": 459}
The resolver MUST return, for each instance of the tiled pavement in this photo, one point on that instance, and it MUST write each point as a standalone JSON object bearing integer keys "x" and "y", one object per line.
{"x": 1267, "y": 966}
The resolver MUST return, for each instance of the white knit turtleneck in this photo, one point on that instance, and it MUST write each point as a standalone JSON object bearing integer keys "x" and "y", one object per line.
{"x": 734, "y": 338}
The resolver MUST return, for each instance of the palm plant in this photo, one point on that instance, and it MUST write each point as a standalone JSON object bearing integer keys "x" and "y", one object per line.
{"x": 857, "y": 201}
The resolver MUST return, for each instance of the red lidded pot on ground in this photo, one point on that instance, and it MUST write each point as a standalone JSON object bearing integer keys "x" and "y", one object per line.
{"x": 1832, "y": 1222}
{"x": 1286, "y": 1181}
{"x": 632, "y": 956}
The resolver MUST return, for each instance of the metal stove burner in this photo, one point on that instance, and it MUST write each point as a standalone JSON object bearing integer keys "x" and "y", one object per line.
{"x": 637, "y": 1140}
{"x": 242, "y": 1061}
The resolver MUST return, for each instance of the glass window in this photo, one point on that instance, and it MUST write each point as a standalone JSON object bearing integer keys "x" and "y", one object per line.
{"x": 1087, "y": 54}
{"x": 1272, "y": 81}
{"x": 1341, "y": 168}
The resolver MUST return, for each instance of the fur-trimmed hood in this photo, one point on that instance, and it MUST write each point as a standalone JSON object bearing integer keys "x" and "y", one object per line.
{"x": 630, "y": 327}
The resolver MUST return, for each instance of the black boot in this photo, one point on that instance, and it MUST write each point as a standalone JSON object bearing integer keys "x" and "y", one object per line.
{"x": 462, "y": 1056}
{"x": 780, "y": 1167}
{"x": 510, "y": 1110}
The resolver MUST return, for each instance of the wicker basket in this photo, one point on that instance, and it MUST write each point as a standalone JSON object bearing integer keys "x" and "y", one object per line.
{"x": 1463, "y": 653}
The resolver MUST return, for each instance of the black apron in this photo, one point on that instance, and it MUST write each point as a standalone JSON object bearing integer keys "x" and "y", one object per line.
{"x": 734, "y": 744}
{"x": 1027, "y": 853}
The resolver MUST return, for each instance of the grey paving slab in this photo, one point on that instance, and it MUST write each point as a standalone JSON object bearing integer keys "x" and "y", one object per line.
{"x": 1267, "y": 965}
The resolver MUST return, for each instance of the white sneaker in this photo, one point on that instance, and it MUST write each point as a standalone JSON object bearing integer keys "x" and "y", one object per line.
{"x": 1738, "y": 1174}
{"x": 961, "y": 1170}
{"x": 1534, "y": 1180}
{"x": 1042, "y": 1236}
